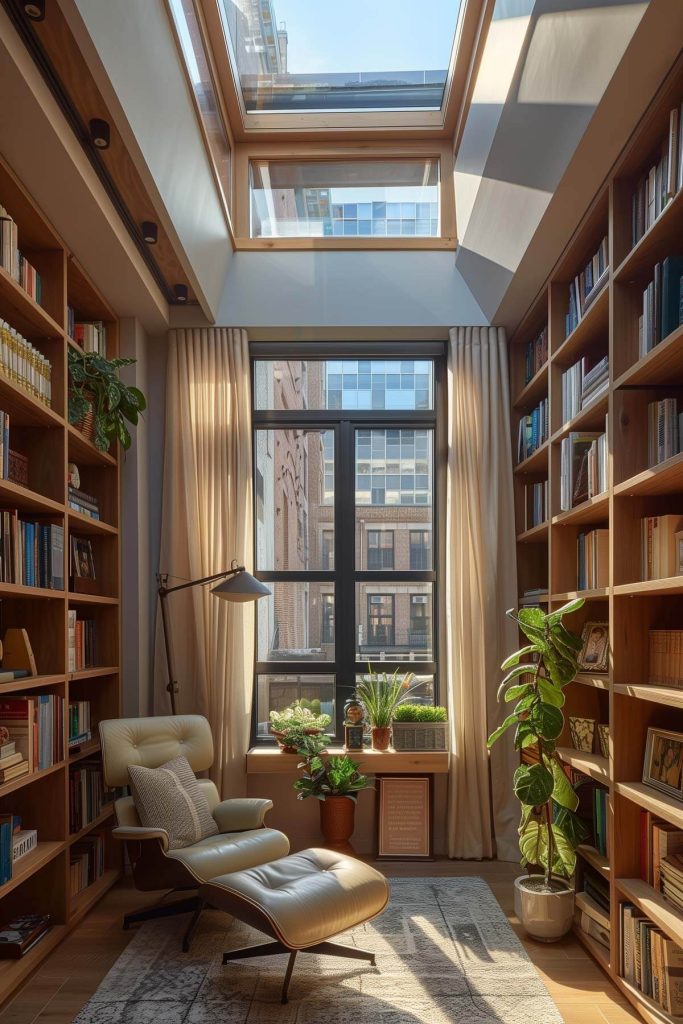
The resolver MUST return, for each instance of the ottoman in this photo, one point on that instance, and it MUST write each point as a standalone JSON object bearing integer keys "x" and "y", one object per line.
{"x": 301, "y": 901}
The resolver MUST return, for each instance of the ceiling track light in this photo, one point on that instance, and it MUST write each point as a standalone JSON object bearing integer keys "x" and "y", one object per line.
{"x": 150, "y": 232}
{"x": 99, "y": 133}
{"x": 180, "y": 291}
{"x": 35, "y": 10}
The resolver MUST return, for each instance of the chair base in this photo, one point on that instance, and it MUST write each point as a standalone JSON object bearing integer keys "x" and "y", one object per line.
{"x": 274, "y": 948}
{"x": 185, "y": 905}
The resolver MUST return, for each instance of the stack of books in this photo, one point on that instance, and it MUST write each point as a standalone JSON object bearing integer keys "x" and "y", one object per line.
{"x": 535, "y": 355}
{"x": 659, "y": 546}
{"x": 24, "y": 365}
{"x": 79, "y": 722}
{"x": 664, "y": 430}
{"x": 592, "y": 919}
{"x": 533, "y": 431}
{"x": 661, "y": 182}
{"x": 650, "y": 960}
{"x": 31, "y": 553}
{"x": 666, "y": 657}
{"x": 662, "y": 304}
{"x": 21, "y": 934}
{"x": 86, "y": 794}
{"x": 592, "y": 559}
{"x": 582, "y": 383}
{"x": 86, "y": 504}
{"x": 86, "y": 862}
{"x": 82, "y": 642}
{"x": 14, "y": 262}
{"x": 24, "y": 841}
{"x": 583, "y": 467}
{"x": 586, "y": 286}
{"x": 531, "y": 597}
{"x": 535, "y": 504}
{"x": 671, "y": 879}
{"x": 36, "y": 725}
{"x": 92, "y": 336}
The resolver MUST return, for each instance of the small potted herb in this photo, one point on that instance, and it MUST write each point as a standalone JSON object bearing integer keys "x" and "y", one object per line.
{"x": 100, "y": 404}
{"x": 294, "y": 723}
{"x": 420, "y": 727}
{"x": 380, "y": 694}
{"x": 335, "y": 782}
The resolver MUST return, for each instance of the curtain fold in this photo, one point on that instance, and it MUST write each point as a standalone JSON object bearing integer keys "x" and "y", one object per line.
{"x": 481, "y": 584}
{"x": 206, "y": 523}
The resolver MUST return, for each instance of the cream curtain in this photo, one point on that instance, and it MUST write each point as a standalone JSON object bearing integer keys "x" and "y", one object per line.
{"x": 206, "y": 523}
{"x": 481, "y": 585}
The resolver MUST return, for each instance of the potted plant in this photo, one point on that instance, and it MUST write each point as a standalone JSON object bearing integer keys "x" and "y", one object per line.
{"x": 549, "y": 830}
{"x": 380, "y": 694}
{"x": 99, "y": 398}
{"x": 296, "y": 721}
{"x": 335, "y": 782}
{"x": 420, "y": 727}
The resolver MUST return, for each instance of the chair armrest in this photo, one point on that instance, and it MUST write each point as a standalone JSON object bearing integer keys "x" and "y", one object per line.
{"x": 138, "y": 834}
{"x": 241, "y": 814}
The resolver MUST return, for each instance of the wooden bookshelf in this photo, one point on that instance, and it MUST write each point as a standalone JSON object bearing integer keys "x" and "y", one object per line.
{"x": 624, "y": 697}
{"x": 41, "y": 879}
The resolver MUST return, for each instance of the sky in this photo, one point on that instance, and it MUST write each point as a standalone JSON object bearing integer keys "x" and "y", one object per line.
{"x": 368, "y": 35}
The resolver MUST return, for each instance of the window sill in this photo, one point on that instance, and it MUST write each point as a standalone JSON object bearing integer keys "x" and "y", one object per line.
{"x": 398, "y": 242}
{"x": 271, "y": 761}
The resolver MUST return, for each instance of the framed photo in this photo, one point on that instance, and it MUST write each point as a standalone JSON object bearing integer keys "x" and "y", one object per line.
{"x": 404, "y": 817}
{"x": 82, "y": 561}
{"x": 679, "y": 552}
{"x": 663, "y": 767}
{"x": 594, "y": 654}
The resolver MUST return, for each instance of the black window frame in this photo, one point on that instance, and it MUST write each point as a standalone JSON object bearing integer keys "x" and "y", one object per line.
{"x": 379, "y": 548}
{"x": 345, "y": 576}
{"x": 391, "y": 638}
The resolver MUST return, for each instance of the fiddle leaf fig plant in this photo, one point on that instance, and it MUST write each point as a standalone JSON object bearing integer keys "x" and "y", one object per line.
{"x": 94, "y": 383}
{"x": 536, "y": 676}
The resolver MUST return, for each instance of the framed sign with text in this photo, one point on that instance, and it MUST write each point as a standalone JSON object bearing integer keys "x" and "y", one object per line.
{"x": 404, "y": 817}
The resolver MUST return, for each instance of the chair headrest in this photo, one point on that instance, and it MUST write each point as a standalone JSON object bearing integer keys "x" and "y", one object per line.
{"x": 151, "y": 742}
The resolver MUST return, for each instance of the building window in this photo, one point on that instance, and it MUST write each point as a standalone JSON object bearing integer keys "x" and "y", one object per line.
{"x": 380, "y": 549}
{"x": 420, "y": 549}
{"x": 347, "y": 509}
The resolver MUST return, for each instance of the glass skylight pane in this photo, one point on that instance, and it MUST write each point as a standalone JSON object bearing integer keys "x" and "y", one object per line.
{"x": 308, "y": 55}
{"x": 318, "y": 198}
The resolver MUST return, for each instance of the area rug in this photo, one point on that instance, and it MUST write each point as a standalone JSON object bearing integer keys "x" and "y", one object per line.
{"x": 445, "y": 953}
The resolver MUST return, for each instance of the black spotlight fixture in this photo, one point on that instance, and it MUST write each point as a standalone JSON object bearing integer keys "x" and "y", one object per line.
{"x": 99, "y": 133}
{"x": 35, "y": 10}
{"x": 150, "y": 232}
{"x": 180, "y": 292}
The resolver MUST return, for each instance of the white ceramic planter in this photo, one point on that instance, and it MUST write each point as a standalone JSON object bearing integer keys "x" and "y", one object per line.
{"x": 546, "y": 916}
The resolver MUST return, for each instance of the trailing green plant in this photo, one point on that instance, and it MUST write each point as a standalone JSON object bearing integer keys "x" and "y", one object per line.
{"x": 325, "y": 776}
{"x": 549, "y": 830}
{"x": 420, "y": 713}
{"x": 297, "y": 716}
{"x": 380, "y": 694}
{"x": 95, "y": 384}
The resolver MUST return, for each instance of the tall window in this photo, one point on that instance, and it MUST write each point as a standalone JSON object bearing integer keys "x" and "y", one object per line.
{"x": 345, "y": 462}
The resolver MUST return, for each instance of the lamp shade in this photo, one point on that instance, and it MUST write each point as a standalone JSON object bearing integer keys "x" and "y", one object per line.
{"x": 241, "y": 587}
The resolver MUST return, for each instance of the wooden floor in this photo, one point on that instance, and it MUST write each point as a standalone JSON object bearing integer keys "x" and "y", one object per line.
{"x": 59, "y": 988}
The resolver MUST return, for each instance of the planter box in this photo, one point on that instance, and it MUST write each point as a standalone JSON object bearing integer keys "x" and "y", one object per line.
{"x": 420, "y": 735}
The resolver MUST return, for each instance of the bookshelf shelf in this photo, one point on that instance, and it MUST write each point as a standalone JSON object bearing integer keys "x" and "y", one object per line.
{"x": 661, "y": 365}
{"x": 667, "y": 695}
{"x": 599, "y": 952}
{"x": 587, "y": 595}
{"x": 595, "y": 859}
{"x": 100, "y": 820}
{"x": 655, "y": 905}
{"x": 534, "y": 534}
{"x": 659, "y": 240}
{"x": 594, "y": 765}
{"x": 665, "y": 478}
{"x": 595, "y": 510}
{"x": 42, "y": 879}
{"x": 673, "y": 585}
{"x": 592, "y": 417}
{"x": 594, "y": 323}
{"x": 647, "y": 1008}
{"x": 597, "y": 682}
{"x": 534, "y": 391}
{"x": 652, "y": 800}
{"x": 535, "y": 462}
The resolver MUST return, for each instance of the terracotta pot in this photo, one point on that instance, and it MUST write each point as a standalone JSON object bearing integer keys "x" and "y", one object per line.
{"x": 381, "y": 737}
{"x": 337, "y": 814}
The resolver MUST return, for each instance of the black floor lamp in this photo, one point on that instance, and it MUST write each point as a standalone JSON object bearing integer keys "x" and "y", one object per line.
{"x": 238, "y": 585}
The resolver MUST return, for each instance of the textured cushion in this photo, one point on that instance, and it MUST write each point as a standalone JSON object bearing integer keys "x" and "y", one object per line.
{"x": 170, "y": 797}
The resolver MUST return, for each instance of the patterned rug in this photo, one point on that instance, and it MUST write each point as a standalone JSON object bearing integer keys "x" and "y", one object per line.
{"x": 445, "y": 953}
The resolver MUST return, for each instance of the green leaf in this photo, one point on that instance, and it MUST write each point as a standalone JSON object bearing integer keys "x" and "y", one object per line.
{"x": 533, "y": 845}
{"x": 525, "y": 735}
{"x": 497, "y": 733}
{"x": 550, "y": 693}
{"x": 520, "y": 670}
{"x": 575, "y": 828}
{"x": 566, "y": 609}
{"x": 533, "y": 784}
{"x": 532, "y": 617}
{"x": 563, "y": 791}
{"x": 547, "y": 720}
{"x": 517, "y": 691}
{"x": 564, "y": 861}
{"x": 515, "y": 658}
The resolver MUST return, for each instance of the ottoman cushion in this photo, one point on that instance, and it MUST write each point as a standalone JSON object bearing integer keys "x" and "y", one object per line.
{"x": 303, "y": 899}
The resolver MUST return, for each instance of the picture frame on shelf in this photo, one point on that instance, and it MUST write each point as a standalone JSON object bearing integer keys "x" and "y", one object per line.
{"x": 663, "y": 764}
{"x": 82, "y": 566}
{"x": 594, "y": 656}
{"x": 603, "y": 739}
{"x": 582, "y": 732}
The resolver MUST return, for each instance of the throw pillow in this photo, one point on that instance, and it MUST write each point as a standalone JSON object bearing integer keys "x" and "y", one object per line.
{"x": 170, "y": 797}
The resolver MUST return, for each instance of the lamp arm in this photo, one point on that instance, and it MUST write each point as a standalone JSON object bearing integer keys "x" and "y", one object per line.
{"x": 164, "y": 590}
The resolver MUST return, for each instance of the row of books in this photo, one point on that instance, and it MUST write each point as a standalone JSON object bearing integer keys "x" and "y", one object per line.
{"x": 91, "y": 336}
{"x": 86, "y": 862}
{"x": 592, "y": 919}
{"x": 79, "y": 722}
{"x": 82, "y": 642}
{"x": 583, "y": 467}
{"x": 665, "y": 665}
{"x": 535, "y": 355}
{"x": 592, "y": 559}
{"x": 661, "y": 182}
{"x": 582, "y": 383}
{"x": 535, "y": 504}
{"x": 664, "y": 430}
{"x": 662, "y": 304}
{"x": 31, "y": 553}
{"x": 14, "y": 261}
{"x": 87, "y": 795}
{"x": 586, "y": 286}
{"x": 24, "y": 365}
{"x": 533, "y": 431}
{"x": 35, "y": 724}
{"x": 600, "y": 804}
{"x": 592, "y": 807}
{"x": 15, "y": 842}
{"x": 661, "y": 537}
{"x": 81, "y": 501}
{"x": 650, "y": 960}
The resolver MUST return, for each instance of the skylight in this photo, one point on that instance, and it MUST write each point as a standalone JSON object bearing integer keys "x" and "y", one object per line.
{"x": 321, "y": 56}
